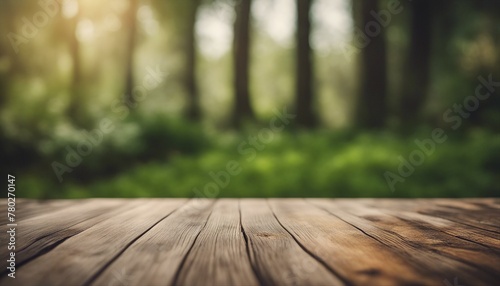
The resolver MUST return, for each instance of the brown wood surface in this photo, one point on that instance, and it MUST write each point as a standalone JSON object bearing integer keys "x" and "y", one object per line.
{"x": 255, "y": 242}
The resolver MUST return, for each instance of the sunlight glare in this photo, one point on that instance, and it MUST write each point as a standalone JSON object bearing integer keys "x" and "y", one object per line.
{"x": 85, "y": 30}
{"x": 148, "y": 22}
{"x": 70, "y": 8}
{"x": 276, "y": 18}
{"x": 333, "y": 22}
{"x": 214, "y": 30}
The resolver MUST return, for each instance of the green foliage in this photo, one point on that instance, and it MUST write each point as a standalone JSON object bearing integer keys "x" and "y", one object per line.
{"x": 319, "y": 164}
{"x": 162, "y": 135}
{"x": 138, "y": 139}
{"x": 154, "y": 155}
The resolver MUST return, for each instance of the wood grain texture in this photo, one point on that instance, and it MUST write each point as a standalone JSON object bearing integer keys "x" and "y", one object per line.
{"x": 276, "y": 256}
{"x": 459, "y": 211}
{"x": 47, "y": 223}
{"x": 45, "y": 243}
{"x": 219, "y": 255}
{"x": 156, "y": 257}
{"x": 348, "y": 250}
{"x": 29, "y": 208}
{"x": 429, "y": 250}
{"x": 80, "y": 257}
{"x": 474, "y": 235}
{"x": 142, "y": 242}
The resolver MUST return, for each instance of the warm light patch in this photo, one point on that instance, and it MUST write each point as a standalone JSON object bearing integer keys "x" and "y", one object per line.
{"x": 70, "y": 8}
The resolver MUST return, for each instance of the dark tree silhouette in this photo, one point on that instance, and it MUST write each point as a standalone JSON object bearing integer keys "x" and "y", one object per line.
{"x": 179, "y": 18}
{"x": 241, "y": 56}
{"x": 193, "y": 109}
{"x": 304, "y": 96}
{"x": 5, "y": 51}
{"x": 130, "y": 26}
{"x": 76, "y": 105}
{"x": 417, "y": 65}
{"x": 371, "y": 107}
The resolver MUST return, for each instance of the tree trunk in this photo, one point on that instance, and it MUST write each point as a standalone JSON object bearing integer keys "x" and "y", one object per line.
{"x": 241, "y": 53}
{"x": 76, "y": 105}
{"x": 304, "y": 67}
{"x": 417, "y": 64}
{"x": 130, "y": 23}
{"x": 371, "y": 109}
{"x": 193, "y": 111}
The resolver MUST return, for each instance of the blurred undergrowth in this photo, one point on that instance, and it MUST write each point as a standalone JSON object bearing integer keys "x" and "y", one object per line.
{"x": 160, "y": 157}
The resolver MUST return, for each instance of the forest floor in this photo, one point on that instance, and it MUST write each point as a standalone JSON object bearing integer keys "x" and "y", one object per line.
{"x": 308, "y": 164}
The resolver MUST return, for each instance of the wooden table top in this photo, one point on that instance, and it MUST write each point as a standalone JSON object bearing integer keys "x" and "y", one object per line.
{"x": 129, "y": 242}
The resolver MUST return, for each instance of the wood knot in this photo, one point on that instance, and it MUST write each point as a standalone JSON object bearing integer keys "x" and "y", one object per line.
{"x": 264, "y": 234}
{"x": 370, "y": 272}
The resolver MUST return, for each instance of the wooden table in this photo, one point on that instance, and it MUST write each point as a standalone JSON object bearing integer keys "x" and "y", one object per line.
{"x": 256, "y": 241}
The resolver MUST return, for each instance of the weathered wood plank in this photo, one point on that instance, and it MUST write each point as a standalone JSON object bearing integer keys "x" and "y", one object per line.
{"x": 454, "y": 210}
{"x": 29, "y": 208}
{"x": 481, "y": 214}
{"x": 484, "y": 203}
{"x": 156, "y": 257}
{"x": 33, "y": 229}
{"x": 76, "y": 260}
{"x": 418, "y": 229}
{"x": 483, "y": 219}
{"x": 255, "y": 241}
{"x": 357, "y": 257}
{"x": 437, "y": 254}
{"x": 219, "y": 255}
{"x": 275, "y": 255}
{"x": 46, "y": 243}
{"x": 460, "y": 231}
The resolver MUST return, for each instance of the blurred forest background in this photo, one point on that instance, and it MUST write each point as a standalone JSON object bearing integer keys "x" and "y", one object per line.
{"x": 178, "y": 98}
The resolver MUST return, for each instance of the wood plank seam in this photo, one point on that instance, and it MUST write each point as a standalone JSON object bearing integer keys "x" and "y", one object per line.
{"x": 276, "y": 256}
{"x": 444, "y": 216}
{"x": 57, "y": 213}
{"x": 260, "y": 242}
{"x": 402, "y": 217}
{"x": 164, "y": 246}
{"x": 219, "y": 255}
{"x": 381, "y": 242}
{"x": 354, "y": 255}
{"x": 25, "y": 212}
{"x": 247, "y": 246}
{"x": 315, "y": 257}
{"x": 425, "y": 217}
{"x": 465, "y": 261}
{"x": 420, "y": 246}
{"x": 355, "y": 226}
{"x": 60, "y": 230}
{"x": 448, "y": 216}
{"x": 100, "y": 271}
{"x": 42, "y": 252}
{"x": 24, "y": 246}
{"x": 183, "y": 261}
{"x": 55, "y": 232}
{"x": 436, "y": 211}
{"x": 59, "y": 236}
